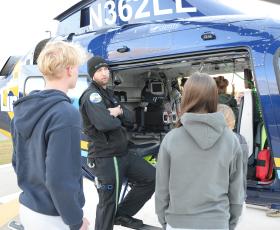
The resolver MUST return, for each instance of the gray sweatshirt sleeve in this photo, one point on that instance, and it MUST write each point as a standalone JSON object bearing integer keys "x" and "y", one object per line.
{"x": 162, "y": 182}
{"x": 245, "y": 153}
{"x": 236, "y": 188}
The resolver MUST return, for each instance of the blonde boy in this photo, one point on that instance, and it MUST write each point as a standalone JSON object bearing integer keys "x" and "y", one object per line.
{"x": 46, "y": 140}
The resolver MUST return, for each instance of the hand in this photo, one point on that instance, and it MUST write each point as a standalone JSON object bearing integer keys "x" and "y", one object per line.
{"x": 85, "y": 224}
{"x": 116, "y": 111}
{"x": 233, "y": 89}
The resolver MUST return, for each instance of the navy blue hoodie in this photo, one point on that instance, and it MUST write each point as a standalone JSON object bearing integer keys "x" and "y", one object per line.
{"x": 46, "y": 137}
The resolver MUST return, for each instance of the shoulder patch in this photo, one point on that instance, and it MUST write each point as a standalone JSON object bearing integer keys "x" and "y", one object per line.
{"x": 95, "y": 98}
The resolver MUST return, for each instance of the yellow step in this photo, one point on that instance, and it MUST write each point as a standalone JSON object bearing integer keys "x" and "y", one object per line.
{"x": 8, "y": 211}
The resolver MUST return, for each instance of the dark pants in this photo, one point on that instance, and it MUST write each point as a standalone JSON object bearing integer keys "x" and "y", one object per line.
{"x": 111, "y": 173}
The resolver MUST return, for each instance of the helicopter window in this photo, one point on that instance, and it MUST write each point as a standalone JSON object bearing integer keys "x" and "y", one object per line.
{"x": 85, "y": 17}
{"x": 8, "y": 67}
{"x": 70, "y": 25}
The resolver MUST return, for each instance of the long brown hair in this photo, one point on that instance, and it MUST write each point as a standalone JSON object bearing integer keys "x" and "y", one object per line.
{"x": 200, "y": 95}
{"x": 222, "y": 84}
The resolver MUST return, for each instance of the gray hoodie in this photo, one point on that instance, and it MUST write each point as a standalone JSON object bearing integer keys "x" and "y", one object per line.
{"x": 199, "y": 178}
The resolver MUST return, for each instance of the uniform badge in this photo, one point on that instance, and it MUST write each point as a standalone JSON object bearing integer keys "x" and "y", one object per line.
{"x": 95, "y": 98}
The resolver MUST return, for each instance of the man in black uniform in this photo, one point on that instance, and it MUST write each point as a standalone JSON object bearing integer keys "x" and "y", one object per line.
{"x": 108, "y": 157}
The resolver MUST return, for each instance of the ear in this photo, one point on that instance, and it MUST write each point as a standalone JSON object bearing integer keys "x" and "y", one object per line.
{"x": 91, "y": 78}
{"x": 69, "y": 71}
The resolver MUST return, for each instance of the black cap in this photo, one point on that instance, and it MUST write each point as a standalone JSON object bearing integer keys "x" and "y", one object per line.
{"x": 94, "y": 64}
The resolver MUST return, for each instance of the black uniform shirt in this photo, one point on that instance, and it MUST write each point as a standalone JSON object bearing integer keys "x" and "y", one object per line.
{"x": 107, "y": 136}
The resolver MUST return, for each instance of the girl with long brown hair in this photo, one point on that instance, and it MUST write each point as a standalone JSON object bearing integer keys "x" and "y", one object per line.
{"x": 200, "y": 95}
{"x": 199, "y": 178}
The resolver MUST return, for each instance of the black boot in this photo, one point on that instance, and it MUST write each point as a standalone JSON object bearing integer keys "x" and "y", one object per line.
{"x": 128, "y": 221}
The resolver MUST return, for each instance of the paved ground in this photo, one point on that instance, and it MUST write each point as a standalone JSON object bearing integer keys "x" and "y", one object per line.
{"x": 252, "y": 219}
{"x": 8, "y": 183}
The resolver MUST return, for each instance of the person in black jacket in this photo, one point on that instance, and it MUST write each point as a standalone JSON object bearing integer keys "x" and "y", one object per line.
{"x": 46, "y": 140}
{"x": 104, "y": 118}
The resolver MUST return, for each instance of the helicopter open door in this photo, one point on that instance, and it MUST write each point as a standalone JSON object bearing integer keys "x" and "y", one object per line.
{"x": 245, "y": 120}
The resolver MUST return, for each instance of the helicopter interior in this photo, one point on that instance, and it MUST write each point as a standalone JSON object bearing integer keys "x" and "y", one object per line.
{"x": 154, "y": 113}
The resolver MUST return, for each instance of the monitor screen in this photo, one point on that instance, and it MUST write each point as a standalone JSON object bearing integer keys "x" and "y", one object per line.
{"x": 157, "y": 88}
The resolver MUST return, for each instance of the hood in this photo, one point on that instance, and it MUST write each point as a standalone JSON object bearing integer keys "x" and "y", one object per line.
{"x": 30, "y": 109}
{"x": 205, "y": 129}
